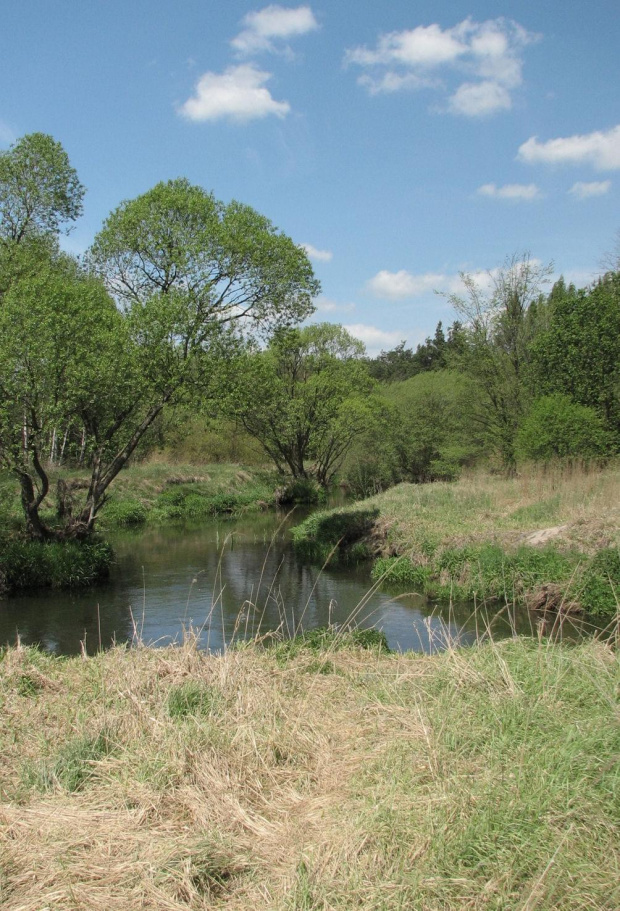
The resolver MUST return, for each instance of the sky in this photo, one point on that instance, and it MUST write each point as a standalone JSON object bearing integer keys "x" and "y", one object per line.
{"x": 400, "y": 142}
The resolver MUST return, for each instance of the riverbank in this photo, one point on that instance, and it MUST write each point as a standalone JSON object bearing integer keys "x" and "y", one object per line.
{"x": 303, "y": 778}
{"x": 150, "y": 493}
{"x": 549, "y": 538}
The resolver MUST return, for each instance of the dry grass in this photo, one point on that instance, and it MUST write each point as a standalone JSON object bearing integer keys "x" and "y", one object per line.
{"x": 486, "y": 508}
{"x": 170, "y": 779}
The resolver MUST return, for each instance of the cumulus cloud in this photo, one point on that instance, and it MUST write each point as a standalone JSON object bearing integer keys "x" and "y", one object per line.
{"x": 488, "y": 54}
{"x": 271, "y": 24}
{"x": 600, "y": 149}
{"x": 374, "y": 339}
{"x": 323, "y": 256}
{"x": 237, "y": 94}
{"x": 583, "y": 190}
{"x": 514, "y": 191}
{"x": 478, "y": 99}
{"x": 404, "y": 285}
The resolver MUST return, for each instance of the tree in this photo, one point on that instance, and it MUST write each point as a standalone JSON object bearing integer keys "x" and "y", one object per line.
{"x": 40, "y": 196}
{"x": 66, "y": 361}
{"x": 190, "y": 277}
{"x": 306, "y": 398}
{"x": 498, "y": 339}
{"x": 579, "y": 353}
{"x": 434, "y": 437}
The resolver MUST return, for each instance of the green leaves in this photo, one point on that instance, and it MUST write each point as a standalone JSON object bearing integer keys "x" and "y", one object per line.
{"x": 39, "y": 190}
{"x": 228, "y": 263}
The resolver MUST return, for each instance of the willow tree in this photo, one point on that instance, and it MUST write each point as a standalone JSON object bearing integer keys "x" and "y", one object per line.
{"x": 306, "y": 398}
{"x": 181, "y": 278}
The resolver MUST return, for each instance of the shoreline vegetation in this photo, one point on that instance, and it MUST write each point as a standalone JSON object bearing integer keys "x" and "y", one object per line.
{"x": 149, "y": 493}
{"x": 318, "y": 774}
{"x": 549, "y": 538}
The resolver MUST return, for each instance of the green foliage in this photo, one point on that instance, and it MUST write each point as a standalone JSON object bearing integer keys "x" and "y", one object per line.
{"x": 193, "y": 698}
{"x": 198, "y": 501}
{"x": 74, "y": 765}
{"x": 306, "y": 399}
{"x": 558, "y": 428}
{"x": 401, "y": 571}
{"x": 434, "y": 434}
{"x": 340, "y": 531}
{"x": 26, "y": 564}
{"x": 599, "y": 586}
{"x": 126, "y": 513}
{"x": 301, "y": 490}
{"x": 579, "y": 354}
{"x": 486, "y": 572}
{"x": 496, "y": 347}
{"x": 330, "y": 639}
{"x": 39, "y": 190}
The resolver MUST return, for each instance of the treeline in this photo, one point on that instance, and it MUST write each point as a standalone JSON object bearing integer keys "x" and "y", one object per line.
{"x": 180, "y": 330}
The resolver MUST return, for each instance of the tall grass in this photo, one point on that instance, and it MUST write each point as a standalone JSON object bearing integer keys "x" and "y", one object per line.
{"x": 311, "y": 776}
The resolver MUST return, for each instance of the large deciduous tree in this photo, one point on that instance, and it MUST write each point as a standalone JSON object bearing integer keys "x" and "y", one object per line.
{"x": 306, "y": 398}
{"x": 176, "y": 279}
{"x": 40, "y": 197}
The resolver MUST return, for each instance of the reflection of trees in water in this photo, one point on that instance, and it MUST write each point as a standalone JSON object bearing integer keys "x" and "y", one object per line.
{"x": 177, "y": 573}
{"x": 59, "y": 622}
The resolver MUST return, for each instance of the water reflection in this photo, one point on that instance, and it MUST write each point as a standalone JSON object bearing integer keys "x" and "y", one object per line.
{"x": 230, "y": 580}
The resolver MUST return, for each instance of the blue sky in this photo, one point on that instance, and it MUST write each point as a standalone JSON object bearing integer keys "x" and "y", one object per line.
{"x": 402, "y": 141}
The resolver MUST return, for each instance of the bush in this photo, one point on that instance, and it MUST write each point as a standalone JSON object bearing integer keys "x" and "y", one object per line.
{"x": 558, "y": 428}
{"x": 600, "y": 583}
{"x": 126, "y": 513}
{"x": 31, "y": 564}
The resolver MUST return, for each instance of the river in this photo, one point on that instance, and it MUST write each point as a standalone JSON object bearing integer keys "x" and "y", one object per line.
{"x": 226, "y": 580}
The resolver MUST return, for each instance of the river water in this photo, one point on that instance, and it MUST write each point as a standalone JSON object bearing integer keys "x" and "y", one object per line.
{"x": 226, "y": 580}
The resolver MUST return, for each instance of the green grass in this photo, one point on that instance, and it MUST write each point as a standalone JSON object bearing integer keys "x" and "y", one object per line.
{"x": 470, "y": 540}
{"x": 30, "y": 564}
{"x": 335, "y": 534}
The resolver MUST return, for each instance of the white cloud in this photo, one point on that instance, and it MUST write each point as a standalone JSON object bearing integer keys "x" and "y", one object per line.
{"x": 479, "y": 99}
{"x": 402, "y": 284}
{"x": 273, "y": 22}
{"x": 375, "y": 339}
{"x": 405, "y": 285}
{"x": 583, "y": 190}
{"x": 238, "y": 94}
{"x": 320, "y": 255}
{"x": 488, "y": 53}
{"x": 326, "y": 305}
{"x": 514, "y": 191}
{"x": 600, "y": 149}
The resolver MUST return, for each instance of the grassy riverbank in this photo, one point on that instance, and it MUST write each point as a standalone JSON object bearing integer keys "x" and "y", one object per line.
{"x": 301, "y": 779}
{"x": 549, "y": 538}
{"x": 146, "y": 493}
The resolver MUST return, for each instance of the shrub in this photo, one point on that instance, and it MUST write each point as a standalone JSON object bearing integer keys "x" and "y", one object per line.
{"x": 31, "y": 564}
{"x": 600, "y": 583}
{"x": 126, "y": 513}
{"x": 558, "y": 428}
